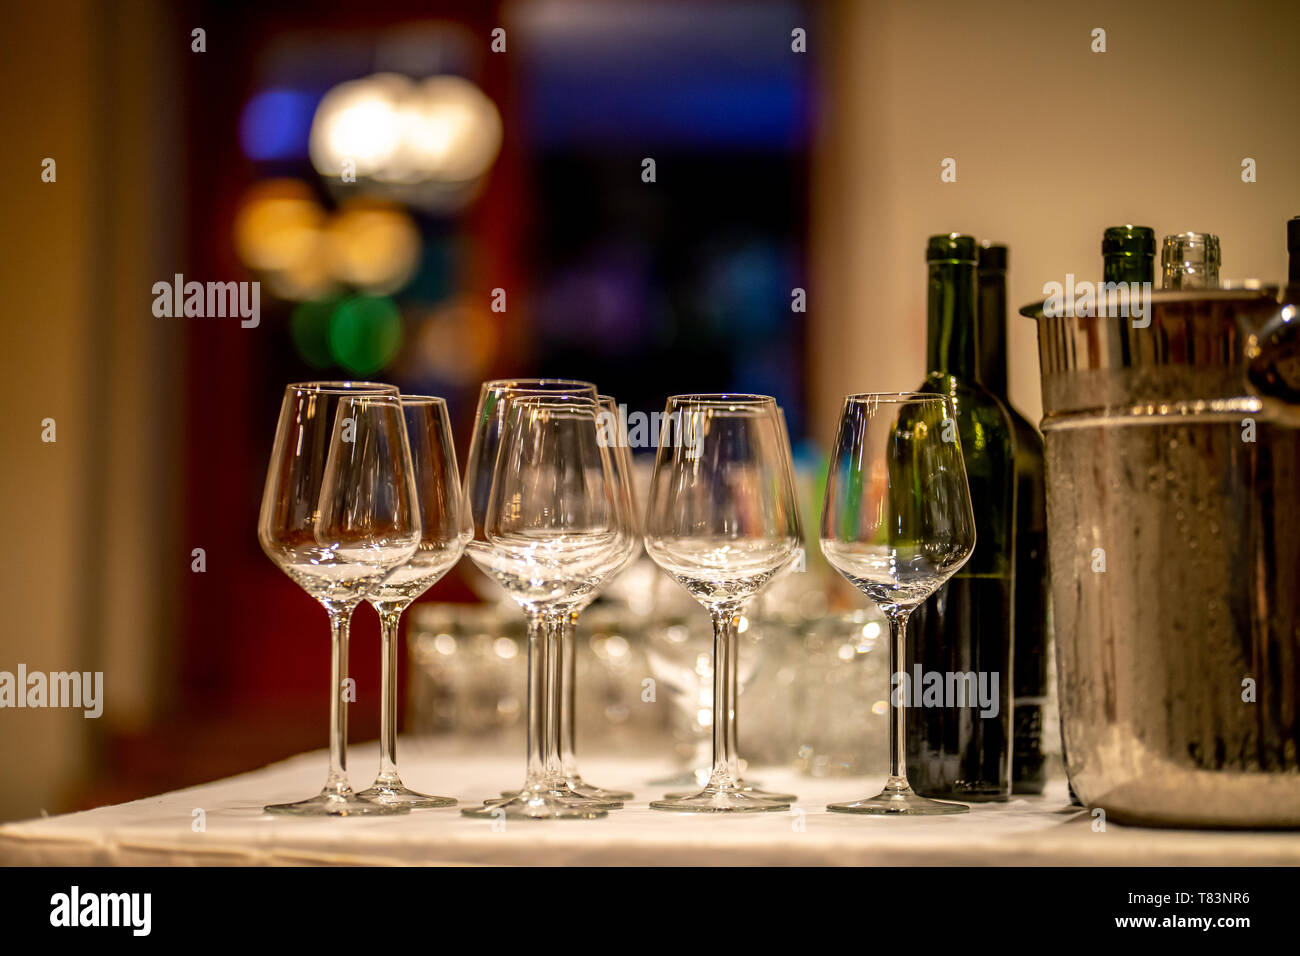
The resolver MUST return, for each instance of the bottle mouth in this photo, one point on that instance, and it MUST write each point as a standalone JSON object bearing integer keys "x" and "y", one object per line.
{"x": 952, "y": 247}
{"x": 1191, "y": 248}
{"x": 1128, "y": 241}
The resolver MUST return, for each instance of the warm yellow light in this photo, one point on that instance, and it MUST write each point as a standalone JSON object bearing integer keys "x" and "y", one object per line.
{"x": 455, "y": 132}
{"x": 278, "y": 225}
{"x": 357, "y": 128}
{"x": 458, "y": 342}
{"x": 390, "y": 129}
{"x": 373, "y": 246}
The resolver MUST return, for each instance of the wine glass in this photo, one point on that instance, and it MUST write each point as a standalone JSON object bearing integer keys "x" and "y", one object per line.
{"x": 339, "y": 511}
{"x": 733, "y": 660}
{"x": 553, "y": 531}
{"x": 484, "y": 447}
{"x": 897, "y": 523}
{"x": 446, "y": 528}
{"x": 621, "y": 459}
{"x": 722, "y": 520}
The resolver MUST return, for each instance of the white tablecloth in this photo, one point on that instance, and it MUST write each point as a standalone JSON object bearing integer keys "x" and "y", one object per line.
{"x": 161, "y": 830}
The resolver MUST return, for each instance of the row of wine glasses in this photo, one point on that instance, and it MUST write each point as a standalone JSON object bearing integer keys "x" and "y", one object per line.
{"x": 354, "y": 510}
{"x": 362, "y": 502}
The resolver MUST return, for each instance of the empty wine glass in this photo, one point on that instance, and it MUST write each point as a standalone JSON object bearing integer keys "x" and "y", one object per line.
{"x": 722, "y": 520}
{"x": 733, "y": 660}
{"x": 484, "y": 447}
{"x": 897, "y": 523}
{"x": 553, "y": 530}
{"x": 339, "y": 511}
{"x": 446, "y": 528}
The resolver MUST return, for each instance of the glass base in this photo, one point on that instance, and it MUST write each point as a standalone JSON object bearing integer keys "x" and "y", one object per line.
{"x": 744, "y": 788}
{"x": 401, "y": 796}
{"x": 566, "y": 794}
{"x": 719, "y": 800}
{"x": 335, "y": 804}
{"x": 536, "y": 805}
{"x": 898, "y": 799}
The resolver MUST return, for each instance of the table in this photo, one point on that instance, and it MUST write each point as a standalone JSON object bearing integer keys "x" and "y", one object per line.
{"x": 165, "y": 830}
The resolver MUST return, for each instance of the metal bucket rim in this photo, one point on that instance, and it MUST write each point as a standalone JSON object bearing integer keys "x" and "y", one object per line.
{"x": 1268, "y": 294}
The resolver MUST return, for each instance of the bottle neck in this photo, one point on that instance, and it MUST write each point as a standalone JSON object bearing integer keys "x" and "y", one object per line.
{"x": 1125, "y": 268}
{"x": 950, "y": 320}
{"x": 992, "y": 337}
{"x": 1180, "y": 277}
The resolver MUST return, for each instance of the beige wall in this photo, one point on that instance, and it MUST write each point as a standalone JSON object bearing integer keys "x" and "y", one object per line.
{"x": 1053, "y": 143}
{"x": 84, "y": 572}
{"x": 47, "y": 291}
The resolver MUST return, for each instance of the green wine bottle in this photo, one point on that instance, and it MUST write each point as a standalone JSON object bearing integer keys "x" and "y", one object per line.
{"x": 963, "y": 633}
{"x": 1029, "y": 583}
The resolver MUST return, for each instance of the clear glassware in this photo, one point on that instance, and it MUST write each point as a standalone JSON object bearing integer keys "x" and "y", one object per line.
{"x": 485, "y": 443}
{"x": 897, "y": 522}
{"x": 722, "y": 520}
{"x": 339, "y": 512}
{"x": 446, "y": 528}
{"x": 733, "y": 660}
{"x": 553, "y": 532}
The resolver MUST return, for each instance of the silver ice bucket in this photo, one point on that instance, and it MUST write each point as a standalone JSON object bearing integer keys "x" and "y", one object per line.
{"x": 1173, "y": 484}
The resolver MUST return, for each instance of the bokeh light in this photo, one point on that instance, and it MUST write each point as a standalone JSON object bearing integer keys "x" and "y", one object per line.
{"x": 309, "y": 328}
{"x": 438, "y": 136}
{"x": 457, "y": 343}
{"x": 372, "y": 245}
{"x": 278, "y": 225}
{"x": 358, "y": 122}
{"x": 365, "y": 333}
{"x": 276, "y": 124}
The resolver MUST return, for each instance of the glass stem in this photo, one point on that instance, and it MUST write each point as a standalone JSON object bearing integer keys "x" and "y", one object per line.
{"x": 733, "y": 691}
{"x": 337, "y": 782}
{"x": 897, "y": 702}
{"x": 568, "y": 631}
{"x": 535, "y": 780}
{"x": 553, "y": 634}
{"x": 725, "y": 769}
{"x": 389, "y": 621}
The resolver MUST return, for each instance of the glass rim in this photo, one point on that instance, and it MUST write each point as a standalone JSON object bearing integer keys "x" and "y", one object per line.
{"x": 423, "y": 400}
{"x": 537, "y": 384}
{"x": 344, "y": 387}
{"x": 722, "y": 398}
{"x": 895, "y": 398}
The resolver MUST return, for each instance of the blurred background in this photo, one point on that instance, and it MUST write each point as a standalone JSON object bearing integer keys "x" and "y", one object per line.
{"x": 435, "y": 194}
